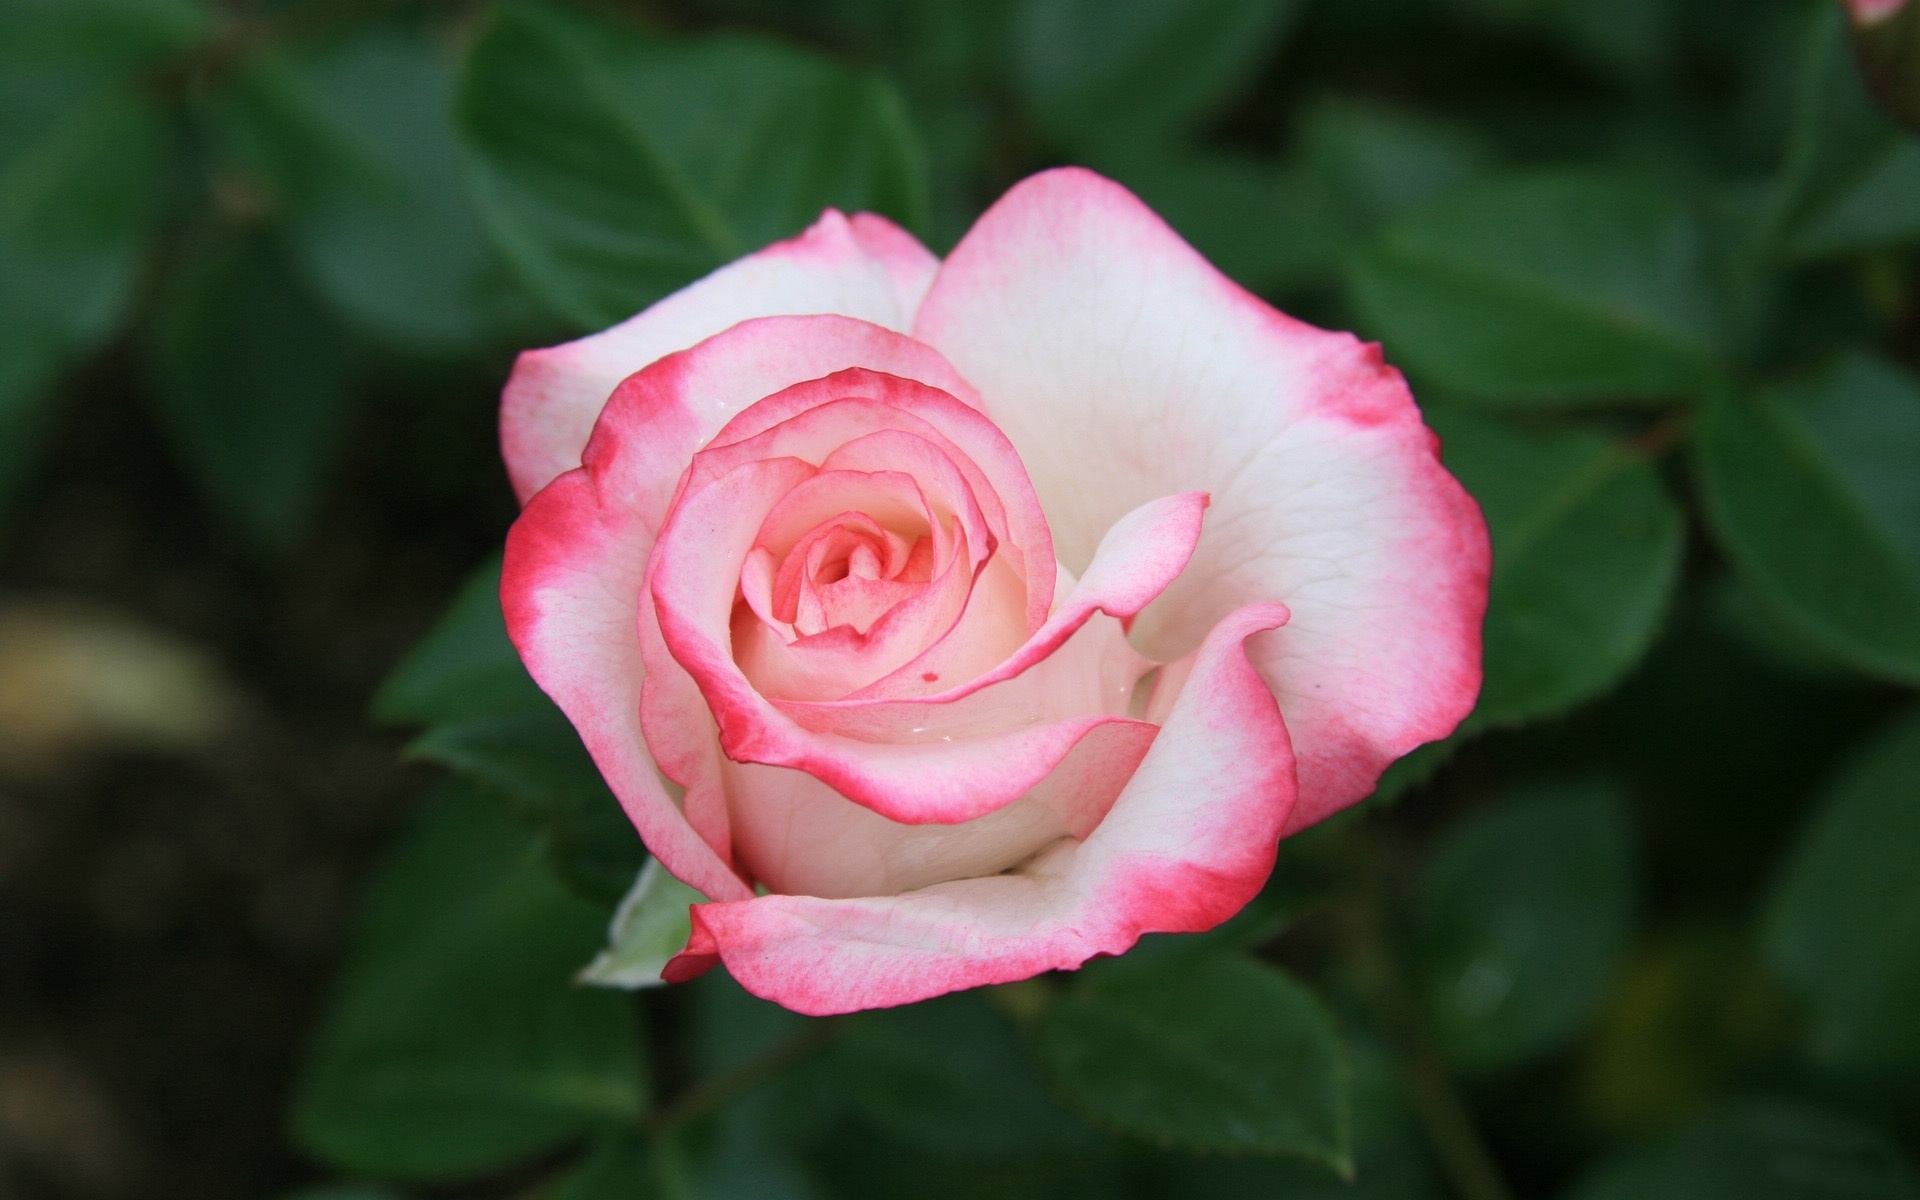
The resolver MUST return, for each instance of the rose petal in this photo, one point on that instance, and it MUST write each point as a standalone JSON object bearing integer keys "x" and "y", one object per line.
{"x": 867, "y": 268}
{"x": 824, "y": 418}
{"x": 693, "y": 574}
{"x": 1188, "y": 842}
{"x": 800, "y": 837}
{"x": 1123, "y": 366}
{"x": 570, "y": 589}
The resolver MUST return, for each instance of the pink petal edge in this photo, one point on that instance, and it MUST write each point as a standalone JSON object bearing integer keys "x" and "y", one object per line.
{"x": 866, "y": 267}
{"x": 1189, "y": 841}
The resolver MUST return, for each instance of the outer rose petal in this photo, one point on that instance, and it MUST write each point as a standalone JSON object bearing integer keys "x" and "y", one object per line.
{"x": 866, "y": 267}
{"x": 570, "y": 588}
{"x": 1123, "y": 367}
{"x": 1188, "y": 842}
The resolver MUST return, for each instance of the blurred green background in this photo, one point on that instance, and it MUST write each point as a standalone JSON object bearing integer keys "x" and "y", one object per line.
{"x": 1647, "y": 927}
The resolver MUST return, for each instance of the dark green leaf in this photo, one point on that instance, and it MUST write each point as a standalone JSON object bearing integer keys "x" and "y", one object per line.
{"x": 1815, "y": 491}
{"x": 1843, "y": 920}
{"x": 110, "y": 34}
{"x": 456, "y": 1043}
{"x": 1267, "y": 226}
{"x": 1382, "y": 162}
{"x": 488, "y": 719}
{"x": 536, "y": 759}
{"x": 1586, "y": 550}
{"x": 1523, "y": 916}
{"x": 343, "y": 1191}
{"x": 1851, "y": 180}
{"x": 613, "y": 166}
{"x": 465, "y": 668}
{"x": 1106, "y": 71}
{"x": 1552, "y": 287}
{"x": 76, "y": 208}
{"x": 1390, "y": 1161}
{"x": 1211, "y": 1053}
{"x": 356, "y": 146}
{"x": 950, "y": 1075}
{"x": 250, "y": 386}
{"x": 616, "y": 1167}
{"x": 1759, "y": 1150}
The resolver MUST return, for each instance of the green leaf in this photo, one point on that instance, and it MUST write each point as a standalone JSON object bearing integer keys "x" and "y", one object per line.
{"x": 1383, "y": 162}
{"x": 1270, "y": 227}
{"x": 613, "y": 166}
{"x": 1390, "y": 1158}
{"x": 250, "y": 387}
{"x": 76, "y": 211}
{"x": 950, "y": 1075}
{"x": 465, "y": 668}
{"x": 356, "y": 147}
{"x": 343, "y": 1191}
{"x": 1586, "y": 551}
{"x": 536, "y": 760}
{"x": 1211, "y": 1053}
{"x": 1759, "y": 1150}
{"x": 488, "y": 719}
{"x": 1850, "y": 180}
{"x": 1523, "y": 916}
{"x": 1094, "y": 71}
{"x": 615, "y": 1167}
{"x": 649, "y": 928}
{"x": 1556, "y": 287}
{"x": 1843, "y": 919}
{"x": 115, "y": 35}
{"x": 1814, "y": 490}
{"x": 456, "y": 1044}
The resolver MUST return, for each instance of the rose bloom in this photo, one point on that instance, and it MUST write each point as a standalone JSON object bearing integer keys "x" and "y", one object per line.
{"x": 944, "y": 623}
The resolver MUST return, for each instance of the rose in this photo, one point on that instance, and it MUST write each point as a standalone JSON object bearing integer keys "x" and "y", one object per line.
{"x": 862, "y": 605}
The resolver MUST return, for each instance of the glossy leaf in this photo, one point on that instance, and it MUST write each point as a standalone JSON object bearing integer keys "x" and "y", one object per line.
{"x": 456, "y": 1043}
{"x": 1390, "y": 1160}
{"x": 1094, "y": 71}
{"x": 250, "y": 387}
{"x": 1213, "y": 1053}
{"x": 613, "y": 166}
{"x": 1522, "y": 920}
{"x": 356, "y": 147}
{"x": 1760, "y": 1150}
{"x": 1586, "y": 551}
{"x": 1843, "y": 920}
{"x": 1548, "y": 288}
{"x": 950, "y": 1075}
{"x": 1814, "y": 490}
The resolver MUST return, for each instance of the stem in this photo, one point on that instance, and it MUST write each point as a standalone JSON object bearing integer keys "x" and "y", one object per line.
{"x": 1448, "y": 1123}
{"x": 713, "y": 1092}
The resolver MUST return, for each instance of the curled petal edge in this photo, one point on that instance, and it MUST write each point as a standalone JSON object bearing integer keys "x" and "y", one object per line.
{"x": 1189, "y": 841}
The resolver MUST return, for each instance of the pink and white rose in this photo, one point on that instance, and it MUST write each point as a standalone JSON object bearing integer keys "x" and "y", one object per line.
{"x": 944, "y": 623}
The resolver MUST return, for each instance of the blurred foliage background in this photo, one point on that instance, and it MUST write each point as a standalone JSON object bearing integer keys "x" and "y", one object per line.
{"x": 1648, "y": 926}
